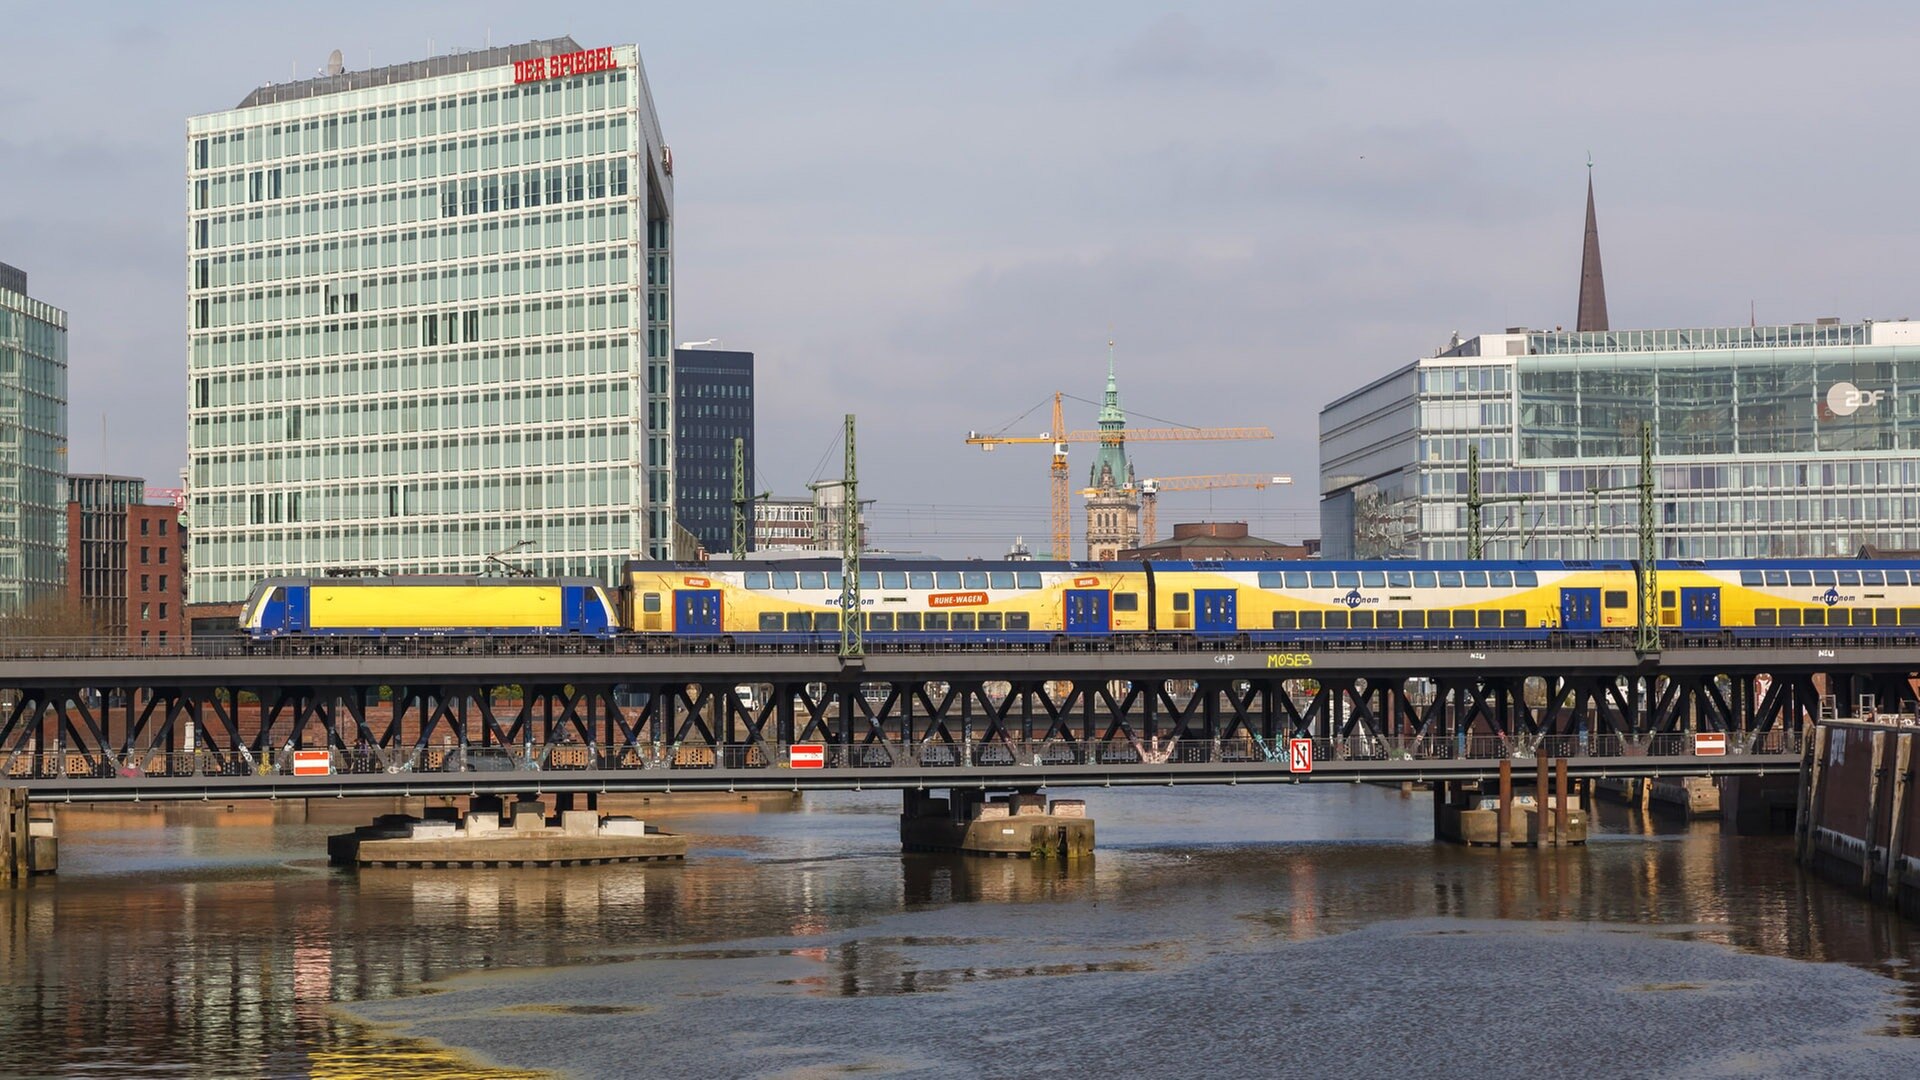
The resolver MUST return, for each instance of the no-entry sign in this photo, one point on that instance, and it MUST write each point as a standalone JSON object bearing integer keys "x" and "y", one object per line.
{"x": 1300, "y": 755}
{"x": 807, "y": 755}
{"x": 312, "y": 763}
{"x": 1710, "y": 744}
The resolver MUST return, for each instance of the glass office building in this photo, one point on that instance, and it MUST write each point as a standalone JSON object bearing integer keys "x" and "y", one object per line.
{"x": 1768, "y": 441}
{"x": 712, "y": 406}
{"x": 430, "y": 320}
{"x": 33, "y": 445}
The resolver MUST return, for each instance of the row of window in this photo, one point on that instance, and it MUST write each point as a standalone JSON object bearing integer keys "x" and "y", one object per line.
{"x": 1507, "y": 619}
{"x": 1398, "y": 579}
{"x": 1809, "y": 578}
{"x": 1837, "y": 617}
{"x": 896, "y": 579}
{"x": 817, "y": 621}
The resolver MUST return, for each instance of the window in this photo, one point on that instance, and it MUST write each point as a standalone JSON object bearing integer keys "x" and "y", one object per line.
{"x": 1800, "y": 577}
{"x": 1373, "y": 579}
{"x": 1180, "y": 601}
{"x": 992, "y": 620}
{"x": 1296, "y": 579}
{"x": 1500, "y": 579}
{"x": 974, "y": 579}
{"x": 1751, "y": 577}
{"x": 1813, "y": 617}
{"x": 1616, "y": 598}
{"x": 1867, "y": 577}
{"x": 163, "y": 526}
{"x": 1789, "y": 616}
{"x": 1018, "y": 620}
{"x": 1449, "y": 579}
{"x": 143, "y": 584}
{"x": 1513, "y": 620}
{"x": 1489, "y": 619}
{"x": 1424, "y": 579}
{"x": 827, "y": 620}
{"x": 1027, "y": 579}
{"x": 893, "y": 579}
{"x": 1284, "y": 620}
{"x": 880, "y": 620}
{"x": 947, "y": 579}
{"x": 1849, "y": 577}
{"x": 799, "y": 621}
{"x": 1776, "y": 578}
{"x": 1399, "y": 579}
{"x": 919, "y": 579}
{"x": 1269, "y": 579}
{"x": 144, "y": 553}
{"x": 1476, "y": 579}
{"x": 758, "y": 579}
{"x": 1336, "y": 620}
{"x": 163, "y": 582}
{"x": 1322, "y": 579}
{"x": 1310, "y": 620}
{"x": 1362, "y": 620}
{"x": 650, "y": 602}
{"x": 1666, "y": 597}
{"x": 1525, "y": 579}
{"x": 146, "y": 524}
{"x": 1388, "y": 620}
{"x": 1766, "y": 617}
{"x": 785, "y": 579}
{"x": 163, "y": 611}
{"x": 936, "y": 620}
{"x": 1000, "y": 579}
{"x": 907, "y": 620}
{"x": 163, "y": 556}
{"x": 146, "y": 612}
{"x": 1346, "y": 579}
{"x": 1823, "y": 577}
{"x": 1126, "y": 601}
{"x": 770, "y": 620}
{"x": 1896, "y": 577}
{"x": 1413, "y": 620}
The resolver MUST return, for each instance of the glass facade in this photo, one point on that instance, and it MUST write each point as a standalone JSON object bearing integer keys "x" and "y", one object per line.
{"x": 33, "y": 445}
{"x": 430, "y": 315}
{"x": 713, "y": 405}
{"x": 1768, "y": 441}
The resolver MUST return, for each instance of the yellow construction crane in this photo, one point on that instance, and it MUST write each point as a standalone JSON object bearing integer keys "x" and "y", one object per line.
{"x": 1151, "y": 489}
{"x": 1060, "y": 438}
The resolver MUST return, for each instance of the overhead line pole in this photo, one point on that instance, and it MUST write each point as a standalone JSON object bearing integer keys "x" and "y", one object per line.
{"x": 853, "y": 641}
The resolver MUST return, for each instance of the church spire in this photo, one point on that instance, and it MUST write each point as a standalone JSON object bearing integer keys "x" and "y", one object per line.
{"x": 1593, "y": 287}
{"x": 1110, "y": 468}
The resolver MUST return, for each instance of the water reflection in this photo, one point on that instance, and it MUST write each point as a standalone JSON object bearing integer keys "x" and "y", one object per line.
{"x": 204, "y": 941}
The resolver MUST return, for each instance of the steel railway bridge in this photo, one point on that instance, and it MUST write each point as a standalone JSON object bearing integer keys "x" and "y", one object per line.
{"x": 454, "y": 717}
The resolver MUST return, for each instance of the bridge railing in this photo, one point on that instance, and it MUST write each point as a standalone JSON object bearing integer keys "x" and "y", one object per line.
{"x": 984, "y": 755}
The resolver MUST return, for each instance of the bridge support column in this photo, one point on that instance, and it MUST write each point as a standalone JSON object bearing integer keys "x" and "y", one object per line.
{"x": 22, "y": 853}
{"x": 1503, "y": 829}
{"x": 972, "y": 822}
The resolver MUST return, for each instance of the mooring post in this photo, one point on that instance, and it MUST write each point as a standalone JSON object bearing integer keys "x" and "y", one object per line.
{"x": 1561, "y": 810}
{"x": 1801, "y": 813}
{"x": 1542, "y": 825}
{"x": 1815, "y": 795}
{"x": 1873, "y": 808}
{"x": 1504, "y": 823}
{"x": 1895, "y": 865}
{"x": 14, "y": 835}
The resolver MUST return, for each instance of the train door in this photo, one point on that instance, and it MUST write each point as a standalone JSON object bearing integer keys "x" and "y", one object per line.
{"x": 1580, "y": 609}
{"x": 1089, "y": 611}
{"x": 696, "y": 611}
{"x": 1214, "y": 611}
{"x": 1700, "y": 609}
{"x": 297, "y": 611}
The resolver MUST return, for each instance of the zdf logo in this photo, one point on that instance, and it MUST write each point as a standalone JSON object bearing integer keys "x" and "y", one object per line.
{"x": 1845, "y": 399}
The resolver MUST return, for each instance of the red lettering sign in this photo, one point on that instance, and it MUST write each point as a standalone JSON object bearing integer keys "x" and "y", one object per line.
{"x": 807, "y": 755}
{"x": 584, "y": 62}
{"x": 697, "y": 582}
{"x": 1085, "y": 582}
{"x": 956, "y": 599}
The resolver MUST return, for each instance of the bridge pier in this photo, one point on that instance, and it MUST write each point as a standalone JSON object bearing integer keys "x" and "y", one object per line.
{"x": 27, "y": 847}
{"x": 973, "y": 821}
{"x": 1548, "y": 814}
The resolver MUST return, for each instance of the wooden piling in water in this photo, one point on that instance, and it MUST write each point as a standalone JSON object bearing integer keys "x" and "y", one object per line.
{"x": 1542, "y": 824}
{"x": 1504, "y": 830}
{"x": 14, "y": 836}
{"x": 1562, "y": 813}
{"x": 1873, "y": 806}
{"x": 1895, "y": 866}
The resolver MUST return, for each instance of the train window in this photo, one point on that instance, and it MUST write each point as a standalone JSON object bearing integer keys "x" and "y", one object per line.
{"x": 963, "y": 620}
{"x": 1413, "y": 620}
{"x": 1789, "y": 616}
{"x": 1800, "y": 577}
{"x": 1896, "y": 577}
{"x": 880, "y": 620}
{"x": 1750, "y": 577}
{"x": 1445, "y": 620}
{"x": 1423, "y": 579}
{"x": 826, "y": 620}
{"x": 1872, "y": 577}
{"x": 1336, "y": 620}
{"x": 1387, "y": 620}
{"x": 785, "y": 579}
{"x": 1823, "y": 577}
{"x": 1862, "y": 617}
{"x": 1362, "y": 620}
{"x": 1321, "y": 579}
{"x": 758, "y": 579}
{"x": 907, "y": 620}
{"x": 1489, "y": 620}
{"x": 893, "y": 579}
{"x": 1018, "y": 620}
{"x": 1373, "y": 579}
{"x": 1849, "y": 577}
{"x": 1769, "y": 617}
{"x": 650, "y": 602}
{"x": 1476, "y": 579}
{"x": 1285, "y": 620}
{"x": 936, "y": 620}
{"x": 1346, "y": 579}
{"x": 1270, "y": 579}
{"x": 1449, "y": 579}
{"x": 1399, "y": 579}
{"x": 1027, "y": 579}
{"x": 869, "y": 579}
{"x": 836, "y": 581}
{"x": 1500, "y": 579}
{"x": 973, "y": 579}
{"x": 770, "y": 620}
{"x": 1180, "y": 601}
{"x": 1885, "y": 616}
{"x": 1813, "y": 617}
{"x": 1310, "y": 620}
{"x": 1126, "y": 601}
{"x": 812, "y": 579}
{"x": 1513, "y": 620}
{"x": 1296, "y": 579}
{"x": 1616, "y": 598}
{"x": 1666, "y": 597}
{"x": 1776, "y": 578}
{"x": 799, "y": 620}
{"x": 920, "y": 579}
{"x": 991, "y": 620}
{"x": 947, "y": 579}
{"x": 1910, "y": 616}
{"x": 1000, "y": 579}
{"x": 1525, "y": 579}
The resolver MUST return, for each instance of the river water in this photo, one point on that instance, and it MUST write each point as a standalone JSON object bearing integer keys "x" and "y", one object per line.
{"x": 1228, "y": 931}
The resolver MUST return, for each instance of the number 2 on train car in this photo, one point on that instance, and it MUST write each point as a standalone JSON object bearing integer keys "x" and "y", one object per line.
{"x": 696, "y": 611}
{"x": 1580, "y": 609}
{"x": 1089, "y": 611}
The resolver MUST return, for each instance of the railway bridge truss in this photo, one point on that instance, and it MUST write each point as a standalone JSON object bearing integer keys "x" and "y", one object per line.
{"x": 455, "y": 717}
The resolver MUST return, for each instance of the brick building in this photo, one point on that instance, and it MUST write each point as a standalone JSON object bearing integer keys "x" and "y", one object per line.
{"x": 124, "y": 560}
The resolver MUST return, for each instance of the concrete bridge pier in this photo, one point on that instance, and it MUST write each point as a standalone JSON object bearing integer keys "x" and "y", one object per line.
{"x": 1545, "y": 814}
{"x": 973, "y": 821}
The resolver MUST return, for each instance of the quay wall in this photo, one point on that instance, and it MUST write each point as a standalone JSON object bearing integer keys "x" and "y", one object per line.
{"x": 1858, "y": 822}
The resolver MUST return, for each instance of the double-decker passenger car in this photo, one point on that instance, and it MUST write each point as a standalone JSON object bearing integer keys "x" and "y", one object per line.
{"x": 429, "y": 607}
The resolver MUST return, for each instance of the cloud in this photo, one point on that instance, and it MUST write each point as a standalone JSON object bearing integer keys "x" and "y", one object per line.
{"x": 1175, "y": 49}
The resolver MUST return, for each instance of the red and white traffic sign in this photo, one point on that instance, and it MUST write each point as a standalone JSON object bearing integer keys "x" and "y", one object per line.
{"x": 807, "y": 755}
{"x": 312, "y": 763}
{"x": 1300, "y": 755}
{"x": 1710, "y": 744}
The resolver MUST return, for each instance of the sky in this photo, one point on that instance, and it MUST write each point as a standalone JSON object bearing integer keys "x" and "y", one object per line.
{"x": 934, "y": 215}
